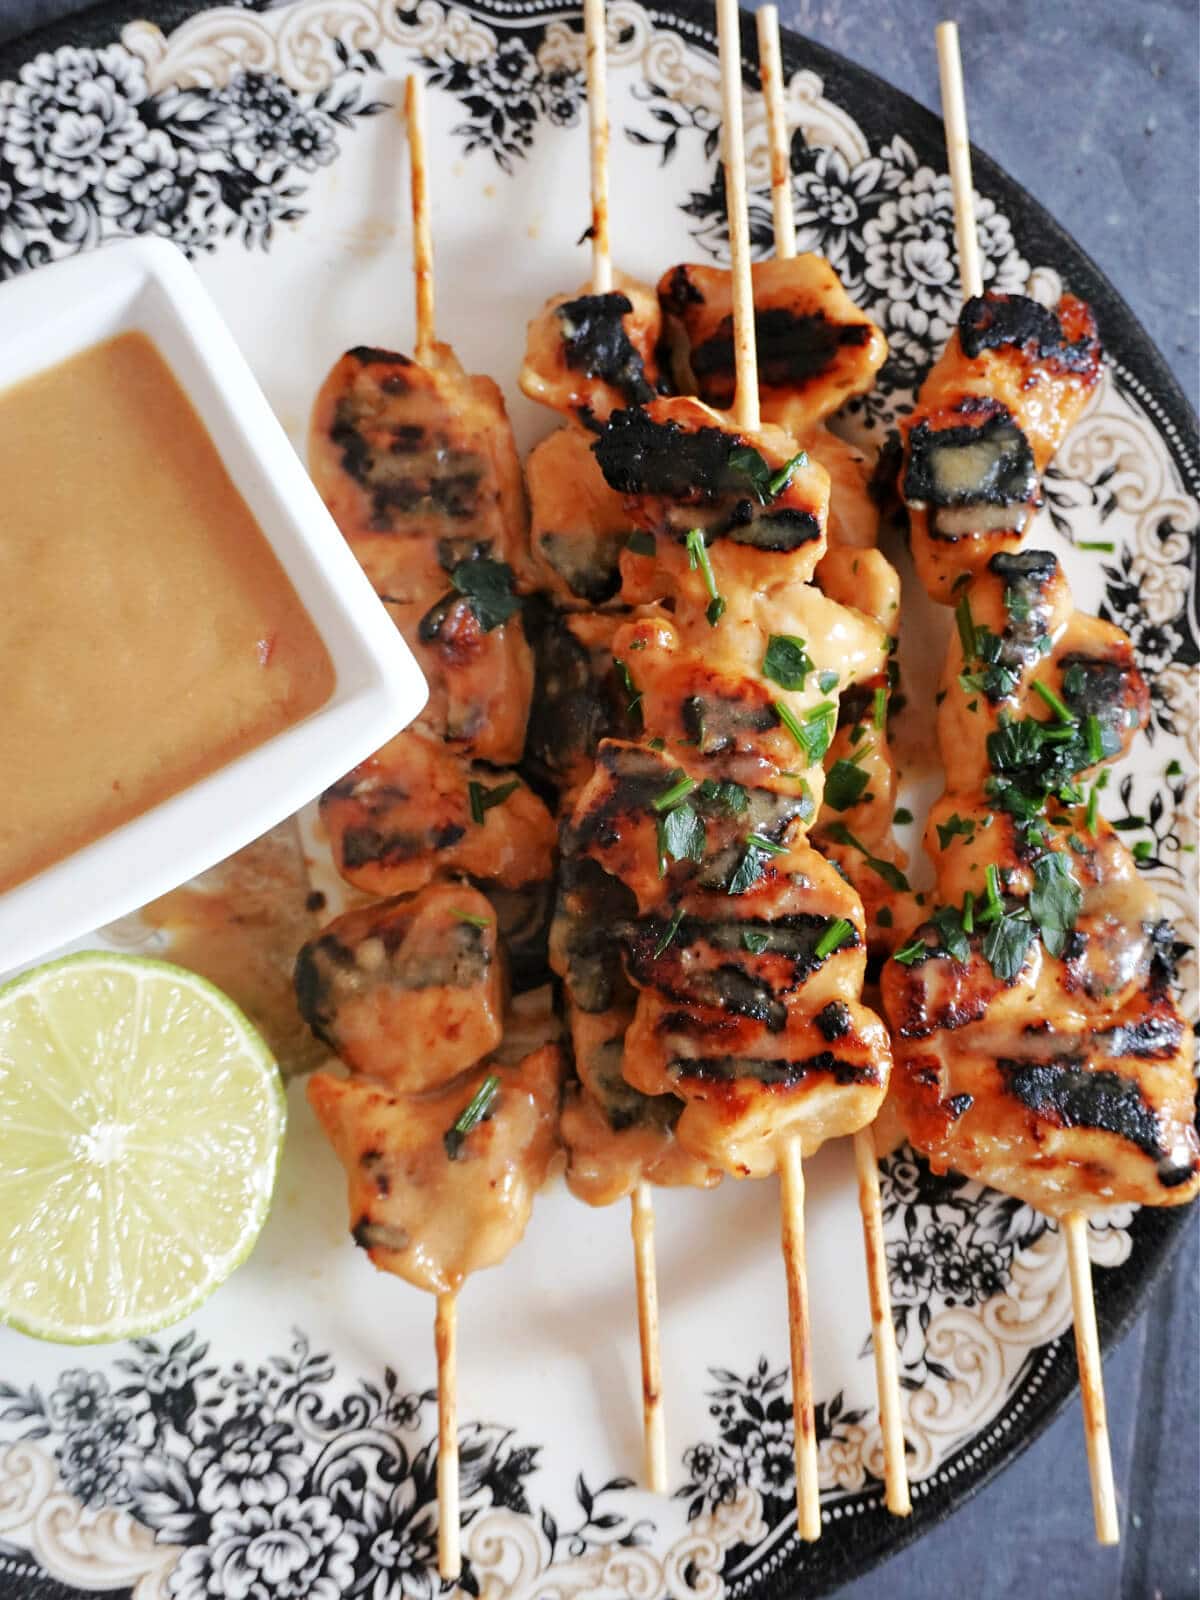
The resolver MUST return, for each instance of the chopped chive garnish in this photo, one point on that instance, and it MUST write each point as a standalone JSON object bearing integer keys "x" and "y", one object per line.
{"x": 672, "y": 796}
{"x": 1093, "y": 807}
{"x": 912, "y": 951}
{"x": 779, "y": 481}
{"x": 968, "y": 912}
{"x": 887, "y": 870}
{"x": 1095, "y": 739}
{"x": 1062, "y": 711}
{"x": 671, "y": 930}
{"x": 995, "y": 905}
{"x": 814, "y": 734}
{"x": 470, "y": 916}
{"x": 966, "y": 628}
{"x": 880, "y": 709}
{"x": 483, "y": 799}
{"x": 759, "y": 841}
{"x": 1096, "y": 544}
{"x": 477, "y": 1108}
{"x": 698, "y": 557}
{"x": 833, "y": 938}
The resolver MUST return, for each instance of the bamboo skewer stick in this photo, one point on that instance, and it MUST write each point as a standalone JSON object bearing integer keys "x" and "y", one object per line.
{"x": 883, "y": 1332}
{"x": 1091, "y": 1381}
{"x": 653, "y": 1420}
{"x": 414, "y": 112}
{"x": 745, "y": 408}
{"x": 770, "y": 72}
{"x": 641, "y": 1200}
{"x": 958, "y": 151}
{"x": 445, "y": 1333}
{"x": 1074, "y": 1227}
{"x": 746, "y": 415}
{"x": 596, "y": 45}
{"x": 445, "y": 1325}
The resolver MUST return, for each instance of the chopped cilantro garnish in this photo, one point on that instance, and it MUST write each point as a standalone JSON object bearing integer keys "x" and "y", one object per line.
{"x": 681, "y": 836}
{"x": 814, "y": 732}
{"x": 759, "y": 841}
{"x": 723, "y": 796}
{"x": 488, "y": 589}
{"x": 1006, "y": 943}
{"x": 827, "y": 680}
{"x": 887, "y": 870}
{"x": 844, "y": 785}
{"x": 1017, "y": 605}
{"x": 953, "y": 826}
{"x": 786, "y": 661}
{"x": 755, "y": 940}
{"x": 952, "y": 935}
{"x": 911, "y": 952}
{"x": 1054, "y": 900}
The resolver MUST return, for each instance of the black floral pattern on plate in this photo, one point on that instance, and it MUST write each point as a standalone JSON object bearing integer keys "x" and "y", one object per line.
{"x": 87, "y": 152}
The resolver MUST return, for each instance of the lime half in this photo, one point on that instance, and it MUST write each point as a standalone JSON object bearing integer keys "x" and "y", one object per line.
{"x": 141, "y": 1121}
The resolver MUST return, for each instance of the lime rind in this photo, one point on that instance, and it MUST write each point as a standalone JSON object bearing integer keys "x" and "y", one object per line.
{"x": 203, "y": 1121}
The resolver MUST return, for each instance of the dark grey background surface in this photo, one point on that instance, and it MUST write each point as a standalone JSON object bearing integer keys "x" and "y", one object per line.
{"x": 1093, "y": 105}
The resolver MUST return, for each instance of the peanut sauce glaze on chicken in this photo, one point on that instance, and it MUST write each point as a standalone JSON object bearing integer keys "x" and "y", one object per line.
{"x": 1038, "y": 1047}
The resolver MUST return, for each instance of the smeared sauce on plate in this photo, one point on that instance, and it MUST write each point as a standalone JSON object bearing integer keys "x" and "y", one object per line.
{"x": 148, "y": 634}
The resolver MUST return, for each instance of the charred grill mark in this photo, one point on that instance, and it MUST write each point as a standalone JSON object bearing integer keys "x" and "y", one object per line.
{"x": 680, "y": 292}
{"x": 364, "y": 845}
{"x": 638, "y": 777}
{"x": 967, "y": 466}
{"x": 780, "y": 531}
{"x": 312, "y": 988}
{"x": 1065, "y": 1092}
{"x": 773, "y": 1071}
{"x": 592, "y": 903}
{"x": 370, "y": 355}
{"x": 795, "y": 351}
{"x": 1154, "y": 1037}
{"x": 411, "y": 466}
{"x": 590, "y": 568}
{"x": 639, "y": 456}
{"x": 833, "y": 1021}
{"x": 1166, "y": 952}
{"x": 1110, "y": 689}
{"x": 958, "y": 1105}
{"x": 719, "y": 722}
{"x": 369, "y": 1235}
{"x": 989, "y": 322}
{"x": 920, "y": 1021}
{"x": 452, "y": 552}
{"x": 595, "y": 343}
{"x": 374, "y": 1165}
{"x": 570, "y": 711}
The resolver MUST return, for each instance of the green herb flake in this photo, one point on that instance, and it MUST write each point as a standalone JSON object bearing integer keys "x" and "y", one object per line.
{"x": 1104, "y": 545}
{"x": 834, "y": 937}
{"x": 755, "y": 940}
{"x": 1006, "y": 944}
{"x": 844, "y": 785}
{"x": 902, "y": 815}
{"x": 1054, "y": 900}
{"x": 698, "y": 558}
{"x": 780, "y": 480}
{"x": 633, "y": 705}
{"x": 488, "y": 589}
{"x": 814, "y": 732}
{"x": 887, "y": 870}
{"x": 1060, "y": 709}
{"x": 879, "y": 713}
{"x": 827, "y": 680}
{"x": 759, "y": 841}
{"x": 1017, "y": 605}
{"x": 967, "y": 915}
{"x": 724, "y": 797}
{"x": 954, "y": 826}
{"x": 681, "y": 835}
{"x": 469, "y": 917}
{"x": 482, "y": 799}
{"x": 745, "y": 460}
{"x": 786, "y": 661}
{"x": 680, "y": 788}
{"x": 911, "y": 952}
{"x": 952, "y": 936}
{"x": 477, "y": 1109}
{"x": 965, "y": 623}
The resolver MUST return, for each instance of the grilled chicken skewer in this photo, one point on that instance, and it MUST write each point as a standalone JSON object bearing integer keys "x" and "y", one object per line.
{"x": 448, "y": 1120}
{"x": 862, "y": 783}
{"x": 1038, "y": 1047}
{"x": 746, "y": 950}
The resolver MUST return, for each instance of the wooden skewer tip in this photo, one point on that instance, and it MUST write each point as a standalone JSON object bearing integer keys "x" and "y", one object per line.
{"x": 808, "y": 1489}
{"x": 770, "y": 69}
{"x": 1091, "y": 1381}
{"x": 414, "y": 113}
{"x": 883, "y": 1331}
{"x": 958, "y": 151}
{"x": 746, "y": 412}
{"x": 646, "y": 1277}
{"x": 595, "y": 48}
{"x": 445, "y": 1328}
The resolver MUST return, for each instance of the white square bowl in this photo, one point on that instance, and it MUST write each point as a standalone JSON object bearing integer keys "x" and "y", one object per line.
{"x": 147, "y": 285}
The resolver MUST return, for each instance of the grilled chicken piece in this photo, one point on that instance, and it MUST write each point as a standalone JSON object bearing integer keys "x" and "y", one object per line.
{"x": 815, "y": 347}
{"x": 479, "y": 668}
{"x": 410, "y": 991}
{"x": 418, "y": 466}
{"x": 577, "y": 700}
{"x": 608, "y": 1158}
{"x": 990, "y": 415}
{"x": 425, "y": 1205}
{"x": 414, "y": 810}
{"x": 401, "y": 450}
{"x": 588, "y": 355}
{"x": 1065, "y": 1099}
{"x": 681, "y": 466}
{"x": 578, "y": 525}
